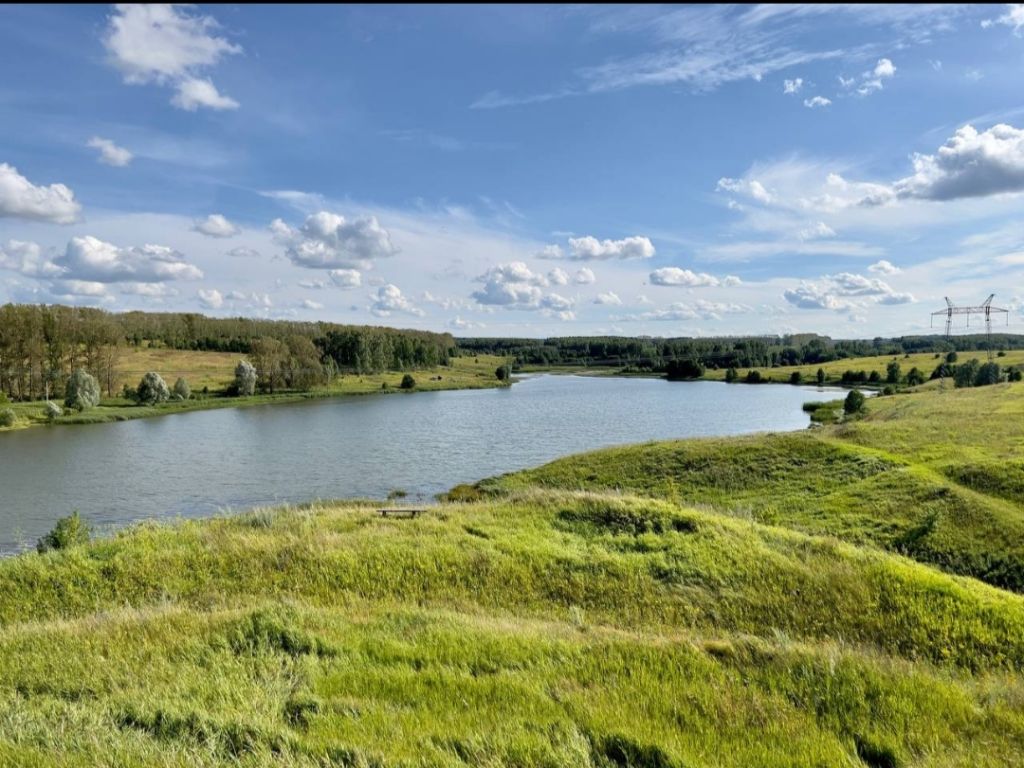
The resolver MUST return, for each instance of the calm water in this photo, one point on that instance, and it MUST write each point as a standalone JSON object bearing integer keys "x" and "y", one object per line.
{"x": 200, "y": 463}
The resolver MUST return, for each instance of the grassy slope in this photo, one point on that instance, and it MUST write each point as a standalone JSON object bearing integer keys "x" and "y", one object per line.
{"x": 936, "y": 475}
{"x": 216, "y": 370}
{"x": 547, "y": 628}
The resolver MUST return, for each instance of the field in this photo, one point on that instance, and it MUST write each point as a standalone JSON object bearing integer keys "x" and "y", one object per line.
{"x": 216, "y": 370}
{"x": 739, "y": 602}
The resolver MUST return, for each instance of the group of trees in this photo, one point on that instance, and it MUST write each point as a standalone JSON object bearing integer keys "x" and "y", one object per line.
{"x": 42, "y": 346}
{"x": 646, "y": 354}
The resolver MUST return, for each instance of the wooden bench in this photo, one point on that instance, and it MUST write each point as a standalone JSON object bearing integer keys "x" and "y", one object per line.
{"x": 401, "y": 512}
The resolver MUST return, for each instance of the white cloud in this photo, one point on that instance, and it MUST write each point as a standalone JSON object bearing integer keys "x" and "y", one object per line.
{"x": 241, "y": 252}
{"x": 88, "y": 258}
{"x": 196, "y": 92}
{"x": 27, "y": 259}
{"x": 329, "y": 241}
{"x": 816, "y": 232}
{"x": 610, "y": 298}
{"x": 750, "y": 187}
{"x": 884, "y": 267}
{"x": 511, "y": 285}
{"x": 211, "y": 299}
{"x": 1014, "y": 17}
{"x": 310, "y": 304}
{"x": 389, "y": 299}
{"x": 792, "y": 86}
{"x": 19, "y": 198}
{"x": 169, "y": 45}
{"x": 463, "y": 325}
{"x": 884, "y": 68}
{"x": 684, "y": 277}
{"x": 89, "y": 288}
{"x": 589, "y": 248}
{"x": 556, "y": 303}
{"x": 149, "y": 290}
{"x": 558, "y": 276}
{"x": 584, "y": 276}
{"x": 345, "y": 278}
{"x": 110, "y": 153}
{"x": 844, "y": 292}
{"x": 817, "y": 101}
{"x": 215, "y": 225}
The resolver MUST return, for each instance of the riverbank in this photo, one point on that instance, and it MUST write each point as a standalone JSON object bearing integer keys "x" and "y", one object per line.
{"x": 724, "y": 602}
{"x": 462, "y": 373}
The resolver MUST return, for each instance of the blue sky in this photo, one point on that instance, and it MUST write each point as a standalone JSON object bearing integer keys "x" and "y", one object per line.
{"x": 510, "y": 170}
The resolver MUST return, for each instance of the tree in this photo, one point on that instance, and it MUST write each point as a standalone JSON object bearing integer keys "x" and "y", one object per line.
{"x": 82, "y": 391}
{"x": 821, "y": 377}
{"x": 245, "y": 379}
{"x": 854, "y": 403}
{"x": 988, "y": 374}
{"x": 951, "y": 357}
{"x": 892, "y": 373}
{"x": 7, "y": 417}
{"x": 68, "y": 532}
{"x": 915, "y": 377}
{"x": 181, "y": 389}
{"x": 753, "y": 377}
{"x": 502, "y": 373}
{"x": 796, "y": 378}
{"x": 152, "y": 389}
{"x": 731, "y": 374}
{"x": 408, "y": 382}
{"x": 270, "y": 356}
{"x": 682, "y": 370}
{"x": 302, "y": 369}
{"x": 52, "y": 411}
{"x": 965, "y": 374}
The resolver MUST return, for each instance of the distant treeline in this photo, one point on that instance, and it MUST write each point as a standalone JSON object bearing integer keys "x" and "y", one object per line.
{"x": 653, "y": 354}
{"x": 41, "y": 345}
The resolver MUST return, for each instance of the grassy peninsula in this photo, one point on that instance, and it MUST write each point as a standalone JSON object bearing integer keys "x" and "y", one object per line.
{"x": 777, "y": 600}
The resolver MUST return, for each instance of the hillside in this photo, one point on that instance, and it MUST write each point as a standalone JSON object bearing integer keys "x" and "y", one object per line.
{"x": 673, "y": 621}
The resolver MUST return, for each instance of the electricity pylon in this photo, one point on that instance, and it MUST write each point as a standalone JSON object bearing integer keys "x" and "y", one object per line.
{"x": 985, "y": 309}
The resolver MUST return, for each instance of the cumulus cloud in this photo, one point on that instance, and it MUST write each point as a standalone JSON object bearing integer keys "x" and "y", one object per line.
{"x": 330, "y": 241}
{"x": 345, "y": 278}
{"x": 459, "y": 324}
{"x": 20, "y": 198}
{"x": 610, "y": 298}
{"x": 216, "y": 225}
{"x": 792, "y": 86}
{"x": 558, "y": 276}
{"x": 675, "y": 276}
{"x": 750, "y": 187}
{"x": 817, "y": 101}
{"x": 241, "y": 252}
{"x": 211, "y": 299}
{"x": 584, "y": 276}
{"x": 149, "y": 290}
{"x": 169, "y": 45}
{"x": 1014, "y": 17}
{"x": 89, "y": 258}
{"x": 816, "y": 232}
{"x": 589, "y": 248}
{"x": 556, "y": 303}
{"x": 27, "y": 259}
{"x": 110, "y": 153}
{"x": 389, "y": 299}
{"x": 884, "y": 267}
{"x": 870, "y": 80}
{"x": 511, "y": 285}
{"x": 844, "y": 292}
{"x": 89, "y": 288}
{"x": 310, "y": 304}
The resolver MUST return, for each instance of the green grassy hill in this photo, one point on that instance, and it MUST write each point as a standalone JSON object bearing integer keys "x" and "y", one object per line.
{"x": 674, "y": 604}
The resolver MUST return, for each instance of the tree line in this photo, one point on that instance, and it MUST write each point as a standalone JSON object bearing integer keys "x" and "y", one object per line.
{"x": 42, "y": 345}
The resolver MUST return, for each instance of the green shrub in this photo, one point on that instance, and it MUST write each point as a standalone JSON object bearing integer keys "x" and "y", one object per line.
{"x": 854, "y": 403}
{"x": 502, "y": 373}
{"x": 892, "y": 373}
{"x": 82, "y": 391}
{"x": 408, "y": 382}
{"x": 52, "y": 411}
{"x": 731, "y": 375}
{"x": 915, "y": 377}
{"x": 153, "y": 389}
{"x": 182, "y": 389}
{"x": 796, "y": 378}
{"x": 3, "y": 398}
{"x": 68, "y": 532}
{"x": 683, "y": 370}
{"x": 753, "y": 377}
{"x": 821, "y": 377}
{"x": 245, "y": 379}
{"x": 8, "y": 417}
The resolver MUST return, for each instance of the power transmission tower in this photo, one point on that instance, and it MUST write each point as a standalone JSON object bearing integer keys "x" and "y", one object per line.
{"x": 985, "y": 309}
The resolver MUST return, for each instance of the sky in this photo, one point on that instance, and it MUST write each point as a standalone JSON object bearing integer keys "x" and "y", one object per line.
{"x": 517, "y": 171}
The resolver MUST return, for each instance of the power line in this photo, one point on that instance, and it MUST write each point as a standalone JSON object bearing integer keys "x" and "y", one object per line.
{"x": 985, "y": 308}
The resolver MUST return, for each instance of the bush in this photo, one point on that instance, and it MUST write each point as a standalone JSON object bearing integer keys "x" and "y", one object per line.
{"x": 82, "y": 391}
{"x": 683, "y": 370}
{"x": 915, "y": 377}
{"x": 502, "y": 373}
{"x": 796, "y": 378}
{"x": 874, "y": 377}
{"x": 821, "y": 377}
{"x": 988, "y": 374}
{"x": 952, "y": 357}
{"x": 68, "y": 532}
{"x": 408, "y": 382}
{"x": 1014, "y": 374}
{"x": 182, "y": 389}
{"x": 52, "y": 411}
{"x": 888, "y": 389}
{"x": 965, "y": 374}
{"x": 3, "y": 398}
{"x": 854, "y": 403}
{"x": 753, "y": 377}
{"x": 7, "y": 417}
{"x": 245, "y": 379}
{"x": 153, "y": 389}
{"x": 892, "y": 373}
{"x": 731, "y": 375}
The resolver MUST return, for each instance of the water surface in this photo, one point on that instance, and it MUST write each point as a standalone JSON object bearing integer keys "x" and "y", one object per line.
{"x": 200, "y": 463}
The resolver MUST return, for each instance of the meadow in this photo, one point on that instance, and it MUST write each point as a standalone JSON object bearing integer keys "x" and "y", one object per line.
{"x": 775, "y": 600}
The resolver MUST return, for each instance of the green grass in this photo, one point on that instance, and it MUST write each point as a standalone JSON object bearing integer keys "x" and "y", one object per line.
{"x": 771, "y": 600}
{"x": 935, "y": 475}
{"x": 463, "y": 373}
